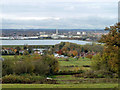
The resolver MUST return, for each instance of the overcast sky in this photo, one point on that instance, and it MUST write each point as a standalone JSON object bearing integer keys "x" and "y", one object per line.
{"x": 77, "y": 14}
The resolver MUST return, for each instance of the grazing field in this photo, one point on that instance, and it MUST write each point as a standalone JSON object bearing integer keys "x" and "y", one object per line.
{"x": 101, "y": 85}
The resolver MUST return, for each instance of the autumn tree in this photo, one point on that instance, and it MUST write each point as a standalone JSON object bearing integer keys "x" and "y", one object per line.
{"x": 75, "y": 53}
{"x": 111, "y": 53}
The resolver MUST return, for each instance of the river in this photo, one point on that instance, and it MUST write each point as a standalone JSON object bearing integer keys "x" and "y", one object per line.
{"x": 40, "y": 42}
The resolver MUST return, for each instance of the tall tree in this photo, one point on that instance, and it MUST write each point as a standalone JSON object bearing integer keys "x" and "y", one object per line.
{"x": 112, "y": 46}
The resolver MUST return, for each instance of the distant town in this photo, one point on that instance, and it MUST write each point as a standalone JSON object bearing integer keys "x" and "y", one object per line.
{"x": 36, "y": 34}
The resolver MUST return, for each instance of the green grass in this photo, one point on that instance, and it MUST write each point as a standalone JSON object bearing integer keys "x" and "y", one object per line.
{"x": 63, "y": 77}
{"x": 12, "y": 57}
{"x": 101, "y": 85}
{"x": 78, "y": 64}
{"x": 8, "y": 56}
{"x": 75, "y": 62}
{"x": 71, "y": 79}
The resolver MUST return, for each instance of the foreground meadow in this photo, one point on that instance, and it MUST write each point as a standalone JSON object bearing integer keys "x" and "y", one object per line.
{"x": 101, "y": 85}
{"x": 70, "y": 80}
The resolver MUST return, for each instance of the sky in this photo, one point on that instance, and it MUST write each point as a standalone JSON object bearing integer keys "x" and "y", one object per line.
{"x": 58, "y": 14}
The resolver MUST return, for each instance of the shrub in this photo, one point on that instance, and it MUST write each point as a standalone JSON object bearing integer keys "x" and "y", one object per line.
{"x": 22, "y": 67}
{"x": 27, "y": 79}
{"x": 89, "y": 74}
{"x": 100, "y": 63}
{"x": 7, "y": 67}
{"x": 52, "y": 63}
{"x": 69, "y": 72}
{"x": 66, "y": 59}
{"x": 103, "y": 74}
{"x": 96, "y": 61}
{"x": 96, "y": 74}
{"x": 89, "y": 56}
{"x": 40, "y": 65}
{"x": 22, "y": 79}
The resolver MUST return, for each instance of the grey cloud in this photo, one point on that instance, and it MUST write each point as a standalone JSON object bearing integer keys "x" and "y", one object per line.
{"x": 67, "y": 23}
{"x": 71, "y": 14}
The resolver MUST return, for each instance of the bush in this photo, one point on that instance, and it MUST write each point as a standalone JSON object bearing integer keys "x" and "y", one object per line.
{"x": 100, "y": 63}
{"x": 40, "y": 68}
{"x": 89, "y": 56}
{"x": 22, "y": 67}
{"x": 26, "y": 79}
{"x": 96, "y": 74}
{"x": 66, "y": 59}
{"x": 96, "y": 61}
{"x": 22, "y": 79}
{"x": 7, "y": 67}
{"x": 52, "y": 63}
{"x": 69, "y": 72}
{"x": 89, "y": 74}
{"x": 39, "y": 65}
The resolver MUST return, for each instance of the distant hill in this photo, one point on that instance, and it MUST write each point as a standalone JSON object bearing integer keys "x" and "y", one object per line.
{"x": 52, "y": 30}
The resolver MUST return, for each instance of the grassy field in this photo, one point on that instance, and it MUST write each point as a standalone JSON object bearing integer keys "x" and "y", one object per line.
{"x": 8, "y": 56}
{"x": 70, "y": 81}
{"x": 74, "y": 64}
{"x": 72, "y": 61}
{"x": 101, "y": 85}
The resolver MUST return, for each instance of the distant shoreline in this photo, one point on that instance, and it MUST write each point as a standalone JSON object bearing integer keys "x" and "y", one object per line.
{"x": 50, "y": 39}
{"x": 41, "y": 42}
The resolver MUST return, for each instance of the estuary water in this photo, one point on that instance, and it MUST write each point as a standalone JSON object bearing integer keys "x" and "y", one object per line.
{"x": 40, "y": 42}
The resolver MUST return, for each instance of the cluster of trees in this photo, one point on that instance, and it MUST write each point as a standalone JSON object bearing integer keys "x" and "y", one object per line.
{"x": 38, "y": 65}
{"x": 109, "y": 59}
{"x": 20, "y": 50}
{"x": 72, "y": 49}
{"x": 17, "y": 50}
